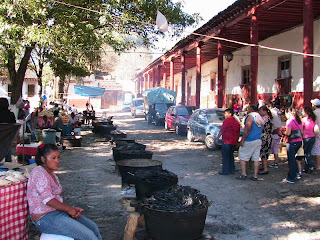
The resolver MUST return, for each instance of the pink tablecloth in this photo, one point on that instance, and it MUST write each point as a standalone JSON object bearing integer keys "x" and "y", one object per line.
{"x": 14, "y": 212}
{"x": 29, "y": 149}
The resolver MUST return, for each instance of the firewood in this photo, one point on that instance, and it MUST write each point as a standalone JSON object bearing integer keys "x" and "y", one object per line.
{"x": 131, "y": 227}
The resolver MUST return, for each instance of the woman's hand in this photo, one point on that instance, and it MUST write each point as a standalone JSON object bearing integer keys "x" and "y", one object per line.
{"x": 75, "y": 212}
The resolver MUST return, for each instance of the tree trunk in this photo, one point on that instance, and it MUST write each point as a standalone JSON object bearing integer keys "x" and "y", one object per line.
{"x": 39, "y": 75}
{"x": 17, "y": 77}
{"x": 61, "y": 87}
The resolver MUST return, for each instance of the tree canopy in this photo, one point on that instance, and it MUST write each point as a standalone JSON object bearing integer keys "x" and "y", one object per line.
{"x": 73, "y": 31}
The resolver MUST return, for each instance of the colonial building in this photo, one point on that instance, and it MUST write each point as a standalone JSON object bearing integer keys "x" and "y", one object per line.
{"x": 240, "y": 53}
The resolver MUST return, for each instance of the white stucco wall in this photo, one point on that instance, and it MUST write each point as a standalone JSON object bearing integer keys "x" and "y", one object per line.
{"x": 267, "y": 65}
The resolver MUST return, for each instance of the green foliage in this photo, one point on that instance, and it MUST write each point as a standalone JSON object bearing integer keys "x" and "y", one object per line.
{"x": 74, "y": 35}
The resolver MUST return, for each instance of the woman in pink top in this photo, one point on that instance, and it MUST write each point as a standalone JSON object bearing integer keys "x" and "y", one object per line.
{"x": 293, "y": 145}
{"x": 309, "y": 137}
{"x": 48, "y": 211}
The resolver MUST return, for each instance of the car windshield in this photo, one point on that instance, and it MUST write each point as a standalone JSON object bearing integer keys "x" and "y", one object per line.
{"x": 139, "y": 102}
{"x": 161, "y": 107}
{"x": 215, "y": 116}
{"x": 185, "y": 111}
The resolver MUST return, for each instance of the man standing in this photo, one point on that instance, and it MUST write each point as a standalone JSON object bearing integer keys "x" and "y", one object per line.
{"x": 230, "y": 131}
{"x": 276, "y": 126}
{"x": 316, "y": 147}
{"x": 250, "y": 143}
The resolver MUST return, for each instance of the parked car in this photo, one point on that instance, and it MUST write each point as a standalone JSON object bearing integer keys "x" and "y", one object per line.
{"x": 136, "y": 107}
{"x": 204, "y": 125}
{"x": 177, "y": 118}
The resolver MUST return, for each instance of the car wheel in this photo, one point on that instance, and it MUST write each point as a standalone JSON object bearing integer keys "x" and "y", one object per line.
{"x": 209, "y": 142}
{"x": 149, "y": 119}
{"x": 157, "y": 122}
{"x": 177, "y": 129}
{"x": 190, "y": 136}
{"x": 166, "y": 125}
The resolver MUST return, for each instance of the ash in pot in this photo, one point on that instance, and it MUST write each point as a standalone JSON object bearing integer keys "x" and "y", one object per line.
{"x": 131, "y": 146}
{"x": 156, "y": 177}
{"x": 178, "y": 199}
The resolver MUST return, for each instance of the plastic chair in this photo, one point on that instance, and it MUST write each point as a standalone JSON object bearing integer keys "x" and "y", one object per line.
{"x": 46, "y": 236}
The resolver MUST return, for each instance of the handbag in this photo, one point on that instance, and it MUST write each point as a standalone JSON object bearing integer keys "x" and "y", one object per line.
{"x": 295, "y": 133}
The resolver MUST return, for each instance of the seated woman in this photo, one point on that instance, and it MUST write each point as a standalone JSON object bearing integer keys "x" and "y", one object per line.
{"x": 44, "y": 122}
{"x": 48, "y": 211}
{"x": 73, "y": 120}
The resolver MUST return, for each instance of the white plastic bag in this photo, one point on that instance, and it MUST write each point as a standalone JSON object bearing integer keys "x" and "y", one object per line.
{"x": 161, "y": 22}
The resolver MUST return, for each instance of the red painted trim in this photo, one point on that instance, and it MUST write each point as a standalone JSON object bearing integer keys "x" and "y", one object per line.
{"x": 172, "y": 74}
{"x": 308, "y": 48}
{"x": 221, "y": 83}
{"x": 198, "y": 76}
{"x": 254, "y": 59}
{"x": 183, "y": 79}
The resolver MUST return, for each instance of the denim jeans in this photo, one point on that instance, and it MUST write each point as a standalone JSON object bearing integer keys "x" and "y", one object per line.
{"x": 228, "y": 158}
{"x": 307, "y": 147}
{"x": 60, "y": 223}
{"x": 33, "y": 135}
{"x": 292, "y": 149}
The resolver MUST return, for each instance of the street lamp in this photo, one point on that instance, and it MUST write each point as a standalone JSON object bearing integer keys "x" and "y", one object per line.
{"x": 229, "y": 56}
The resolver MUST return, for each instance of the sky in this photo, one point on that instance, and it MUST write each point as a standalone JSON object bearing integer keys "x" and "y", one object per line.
{"x": 207, "y": 10}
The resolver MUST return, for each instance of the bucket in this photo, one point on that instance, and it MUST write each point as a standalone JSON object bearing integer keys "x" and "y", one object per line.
{"x": 49, "y": 136}
{"x": 128, "y": 168}
{"x": 77, "y": 131}
{"x": 166, "y": 225}
{"x": 66, "y": 130}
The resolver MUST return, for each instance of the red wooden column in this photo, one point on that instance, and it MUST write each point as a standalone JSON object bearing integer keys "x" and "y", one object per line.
{"x": 183, "y": 78}
{"x": 164, "y": 76}
{"x": 221, "y": 83}
{"x": 308, "y": 48}
{"x": 153, "y": 78}
{"x": 172, "y": 74}
{"x": 145, "y": 82}
{"x": 254, "y": 60}
{"x": 158, "y": 76}
{"x": 149, "y": 81}
{"x": 198, "y": 76}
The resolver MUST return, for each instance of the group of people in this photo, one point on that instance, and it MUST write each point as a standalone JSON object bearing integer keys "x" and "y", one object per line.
{"x": 263, "y": 133}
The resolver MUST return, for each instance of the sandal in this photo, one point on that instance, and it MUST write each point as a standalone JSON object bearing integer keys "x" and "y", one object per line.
{"x": 241, "y": 177}
{"x": 254, "y": 179}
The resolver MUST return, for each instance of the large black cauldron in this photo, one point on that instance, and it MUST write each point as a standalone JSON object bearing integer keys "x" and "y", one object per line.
{"x": 150, "y": 181}
{"x": 128, "y": 168}
{"x": 178, "y": 213}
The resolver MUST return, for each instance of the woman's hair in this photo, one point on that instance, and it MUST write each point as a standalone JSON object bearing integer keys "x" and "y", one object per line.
{"x": 45, "y": 150}
{"x": 229, "y": 110}
{"x": 294, "y": 113}
{"x": 4, "y": 104}
{"x": 264, "y": 108}
{"x": 310, "y": 113}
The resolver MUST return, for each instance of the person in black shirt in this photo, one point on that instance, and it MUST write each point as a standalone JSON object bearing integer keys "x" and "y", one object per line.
{"x": 6, "y": 116}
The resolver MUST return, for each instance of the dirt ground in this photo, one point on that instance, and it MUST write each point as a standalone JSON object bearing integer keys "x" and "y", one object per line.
{"x": 246, "y": 209}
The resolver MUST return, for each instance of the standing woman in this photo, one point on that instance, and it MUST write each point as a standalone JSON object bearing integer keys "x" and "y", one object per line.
{"x": 294, "y": 134}
{"x": 48, "y": 211}
{"x": 266, "y": 138}
{"x": 316, "y": 147}
{"x": 309, "y": 137}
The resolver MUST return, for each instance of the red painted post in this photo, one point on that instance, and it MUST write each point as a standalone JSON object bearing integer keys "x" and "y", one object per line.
{"x": 198, "y": 76}
{"x": 183, "y": 78}
{"x": 221, "y": 83}
{"x": 254, "y": 60}
{"x": 172, "y": 74}
{"x": 145, "y": 82}
{"x": 308, "y": 48}
{"x": 164, "y": 76}
{"x": 149, "y": 81}
{"x": 158, "y": 76}
{"x": 154, "y": 81}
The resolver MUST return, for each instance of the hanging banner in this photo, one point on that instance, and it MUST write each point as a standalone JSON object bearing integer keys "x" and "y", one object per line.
{"x": 88, "y": 91}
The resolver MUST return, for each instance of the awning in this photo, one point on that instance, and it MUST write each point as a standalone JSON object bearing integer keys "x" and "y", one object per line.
{"x": 8, "y": 131}
{"x": 88, "y": 91}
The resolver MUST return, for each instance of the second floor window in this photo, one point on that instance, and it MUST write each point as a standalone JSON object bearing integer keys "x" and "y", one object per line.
{"x": 245, "y": 75}
{"x": 284, "y": 67}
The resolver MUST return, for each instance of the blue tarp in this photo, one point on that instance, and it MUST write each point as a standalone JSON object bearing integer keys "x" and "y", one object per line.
{"x": 88, "y": 91}
{"x": 159, "y": 95}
